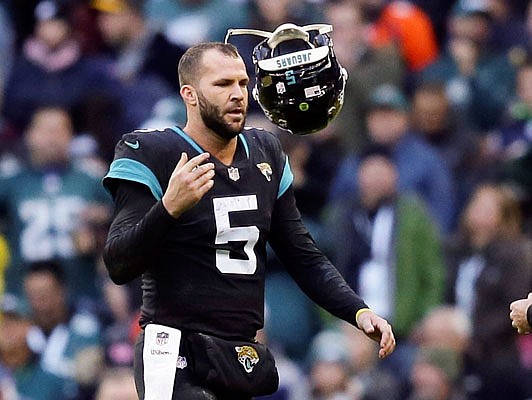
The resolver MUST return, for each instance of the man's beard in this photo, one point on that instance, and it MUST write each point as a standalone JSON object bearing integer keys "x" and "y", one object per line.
{"x": 213, "y": 119}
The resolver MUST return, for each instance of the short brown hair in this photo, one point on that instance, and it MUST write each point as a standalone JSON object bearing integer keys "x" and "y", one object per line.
{"x": 189, "y": 63}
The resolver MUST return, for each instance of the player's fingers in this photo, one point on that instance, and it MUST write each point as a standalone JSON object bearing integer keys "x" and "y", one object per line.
{"x": 366, "y": 324}
{"x": 182, "y": 160}
{"x": 204, "y": 177}
{"x": 205, "y": 187}
{"x": 194, "y": 162}
{"x": 386, "y": 349}
{"x": 387, "y": 343}
{"x": 199, "y": 181}
{"x": 529, "y": 296}
{"x": 202, "y": 169}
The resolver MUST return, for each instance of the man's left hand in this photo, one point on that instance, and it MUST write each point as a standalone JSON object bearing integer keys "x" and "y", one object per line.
{"x": 379, "y": 330}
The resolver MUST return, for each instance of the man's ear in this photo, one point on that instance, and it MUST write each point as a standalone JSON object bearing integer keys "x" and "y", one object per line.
{"x": 189, "y": 95}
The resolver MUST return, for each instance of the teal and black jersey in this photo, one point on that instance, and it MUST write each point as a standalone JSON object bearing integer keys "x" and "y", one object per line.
{"x": 205, "y": 270}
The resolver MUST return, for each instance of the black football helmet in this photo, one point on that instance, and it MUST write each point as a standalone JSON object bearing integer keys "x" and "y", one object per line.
{"x": 299, "y": 83}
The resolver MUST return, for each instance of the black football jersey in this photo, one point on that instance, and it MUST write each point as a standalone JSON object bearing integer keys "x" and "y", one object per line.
{"x": 209, "y": 274}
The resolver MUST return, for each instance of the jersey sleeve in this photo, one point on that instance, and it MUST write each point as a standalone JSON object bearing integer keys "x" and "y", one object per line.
{"x": 310, "y": 268}
{"x": 136, "y": 161}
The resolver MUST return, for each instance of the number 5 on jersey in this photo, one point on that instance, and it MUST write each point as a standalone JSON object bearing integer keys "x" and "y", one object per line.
{"x": 225, "y": 233}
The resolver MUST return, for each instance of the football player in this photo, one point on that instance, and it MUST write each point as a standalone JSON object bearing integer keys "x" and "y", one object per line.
{"x": 194, "y": 209}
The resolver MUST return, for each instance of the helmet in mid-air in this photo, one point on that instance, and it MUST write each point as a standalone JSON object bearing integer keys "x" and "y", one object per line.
{"x": 299, "y": 83}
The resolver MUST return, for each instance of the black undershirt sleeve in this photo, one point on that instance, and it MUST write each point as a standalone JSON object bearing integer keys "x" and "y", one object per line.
{"x": 529, "y": 315}
{"x": 138, "y": 230}
{"x": 308, "y": 266}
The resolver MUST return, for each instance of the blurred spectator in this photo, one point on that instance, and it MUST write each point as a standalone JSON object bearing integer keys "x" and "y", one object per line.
{"x": 329, "y": 371}
{"x": 478, "y": 81}
{"x": 367, "y": 68}
{"x": 32, "y": 382}
{"x": 117, "y": 338}
{"x": 489, "y": 247}
{"x": 52, "y": 70}
{"x": 386, "y": 236}
{"x": 67, "y": 340}
{"x": 139, "y": 49}
{"x": 85, "y": 28}
{"x": 509, "y": 32}
{"x": 511, "y": 144}
{"x": 513, "y": 139}
{"x": 368, "y": 381}
{"x": 268, "y": 14}
{"x": 117, "y": 384}
{"x": 442, "y": 337}
{"x": 43, "y": 206}
{"x": 444, "y": 326}
{"x": 389, "y": 250}
{"x": 142, "y": 60}
{"x": 405, "y": 24}
{"x": 437, "y": 11}
{"x": 420, "y": 168}
{"x": 434, "y": 375}
{"x": 434, "y": 118}
{"x": 188, "y": 22}
{"x": 343, "y": 366}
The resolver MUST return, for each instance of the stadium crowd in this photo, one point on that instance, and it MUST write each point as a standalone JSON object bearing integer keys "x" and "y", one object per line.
{"x": 423, "y": 181}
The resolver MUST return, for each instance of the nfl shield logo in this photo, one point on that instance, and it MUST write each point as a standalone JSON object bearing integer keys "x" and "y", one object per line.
{"x": 233, "y": 173}
{"x": 161, "y": 338}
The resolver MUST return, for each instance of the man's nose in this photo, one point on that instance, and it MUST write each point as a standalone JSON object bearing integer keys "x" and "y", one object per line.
{"x": 238, "y": 92}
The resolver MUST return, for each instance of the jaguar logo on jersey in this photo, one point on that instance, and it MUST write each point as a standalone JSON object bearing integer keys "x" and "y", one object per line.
{"x": 161, "y": 338}
{"x": 247, "y": 356}
{"x": 266, "y": 170}
{"x": 233, "y": 173}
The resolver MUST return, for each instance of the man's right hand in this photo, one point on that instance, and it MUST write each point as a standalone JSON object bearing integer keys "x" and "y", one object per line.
{"x": 188, "y": 184}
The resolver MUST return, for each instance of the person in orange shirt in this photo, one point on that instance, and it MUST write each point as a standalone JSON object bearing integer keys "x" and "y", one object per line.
{"x": 405, "y": 24}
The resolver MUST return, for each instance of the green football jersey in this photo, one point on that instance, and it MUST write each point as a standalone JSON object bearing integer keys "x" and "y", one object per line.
{"x": 40, "y": 211}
